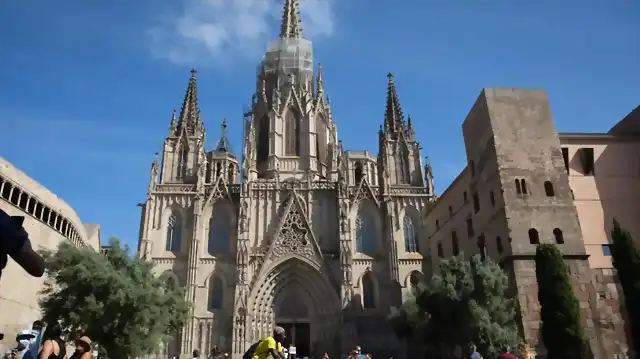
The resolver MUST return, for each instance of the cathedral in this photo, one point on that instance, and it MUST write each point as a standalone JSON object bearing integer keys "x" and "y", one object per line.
{"x": 295, "y": 231}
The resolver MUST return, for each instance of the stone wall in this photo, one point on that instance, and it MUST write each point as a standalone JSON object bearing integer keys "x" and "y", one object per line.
{"x": 599, "y": 303}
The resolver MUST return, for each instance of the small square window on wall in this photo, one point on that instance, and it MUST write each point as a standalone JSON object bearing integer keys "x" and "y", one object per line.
{"x": 606, "y": 250}
{"x": 587, "y": 159}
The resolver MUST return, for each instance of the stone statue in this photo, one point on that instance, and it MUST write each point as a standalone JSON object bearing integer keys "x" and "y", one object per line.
{"x": 202, "y": 173}
{"x": 154, "y": 173}
{"x": 243, "y": 216}
{"x": 428, "y": 174}
{"x": 342, "y": 185}
{"x": 343, "y": 220}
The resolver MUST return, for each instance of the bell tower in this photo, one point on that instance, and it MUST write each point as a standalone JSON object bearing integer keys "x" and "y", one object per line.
{"x": 399, "y": 149}
{"x": 185, "y": 141}
{"x": 291, "y": 137}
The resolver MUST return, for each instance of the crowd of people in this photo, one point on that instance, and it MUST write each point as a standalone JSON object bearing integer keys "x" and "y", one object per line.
{"x": 42, "y": 342}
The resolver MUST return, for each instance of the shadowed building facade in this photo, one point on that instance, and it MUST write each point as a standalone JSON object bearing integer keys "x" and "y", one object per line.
{"x": 296, "y": 231}
{"x": 49, "y": 221}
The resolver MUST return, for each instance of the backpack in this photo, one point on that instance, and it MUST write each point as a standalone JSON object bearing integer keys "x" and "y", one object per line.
{"x": 252, "y": 349}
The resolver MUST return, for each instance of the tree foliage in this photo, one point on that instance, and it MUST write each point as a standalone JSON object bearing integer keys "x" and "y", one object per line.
{"x": 466, "y": 302}
{"x": 114, "y": 299}
{"x": 626, "y": 260}
{"x": 562, "y": 332}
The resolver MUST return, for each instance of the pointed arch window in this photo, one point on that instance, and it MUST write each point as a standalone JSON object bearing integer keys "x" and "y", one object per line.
{"x": 183, "y": 161}
{"x": 321, "y": 139}
{"x": 411, "y": 242}
{"x": 292, "y": 134}
{"x": 216, "y": 292}
{"x": 368, "y": 291}
{"x": 174, "y": 233}
{"x": 263, "y": 139}
{"x": 403, "y": 166}
{"x": 170, "y": 282}
{"x": 366, "y": 236}
{"x": 219, "y": 229}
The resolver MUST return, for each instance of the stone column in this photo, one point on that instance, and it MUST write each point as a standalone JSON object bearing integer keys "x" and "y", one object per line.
{"x": 191, "y": 285}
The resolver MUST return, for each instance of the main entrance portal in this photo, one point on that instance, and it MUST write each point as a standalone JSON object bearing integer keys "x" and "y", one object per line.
{"x": 293, "y": 316}
{"x": 299, "y": 336}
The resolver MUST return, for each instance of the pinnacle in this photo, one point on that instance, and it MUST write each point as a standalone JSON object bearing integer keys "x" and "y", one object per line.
{"x": 189, "y": 114}
{"x": 290, "y": 27}
{"x": 393, "y": 116}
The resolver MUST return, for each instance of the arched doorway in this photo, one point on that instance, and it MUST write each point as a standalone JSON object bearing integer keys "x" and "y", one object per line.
{"x": 298, "y": 296}
{"x": 292, "y": 314}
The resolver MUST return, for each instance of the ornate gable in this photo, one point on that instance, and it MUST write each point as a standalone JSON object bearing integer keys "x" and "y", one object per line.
{"x": 219, "y": 189}
{"x": 362, "y": 192}
{"x": 294, "y": 235}
{"x": 293, "y": 101}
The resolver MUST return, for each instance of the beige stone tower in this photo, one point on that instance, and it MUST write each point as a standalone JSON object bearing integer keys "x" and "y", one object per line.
{"x": 520, "y": 192}
{"x": 311, "y": 237}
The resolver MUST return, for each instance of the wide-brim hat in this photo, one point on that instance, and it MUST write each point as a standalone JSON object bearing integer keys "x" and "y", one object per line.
{"x": 84, "y": 340}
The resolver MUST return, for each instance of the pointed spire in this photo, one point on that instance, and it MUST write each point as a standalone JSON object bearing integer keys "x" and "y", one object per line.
{"x": 394, "y": 120}
{"x": 319, "y": 82}
{"x": 291, "y": 27}
{"x": 223, "y": 143}
{"x": 173, "y": 123}
{"x": 190, "y": 112}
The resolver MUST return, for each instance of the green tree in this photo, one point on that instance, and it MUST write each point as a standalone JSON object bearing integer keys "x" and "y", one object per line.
{"x": 626, "y": 260}
{"x": 562, "y": 332}
{"x": 114, "y": 299}
{"x": 466, "y": 302}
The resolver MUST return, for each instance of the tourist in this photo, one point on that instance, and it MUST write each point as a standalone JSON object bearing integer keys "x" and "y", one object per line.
{"x": 506, "y": 354}
{"x": 473, "y": 352}
{"x": 15, "y": 243}
{"x": 271, "y": 346}
{"x": 215, "y": 352}
{"x": 83, "y": 348}
{"x": 23, "y": 340}
{"x": 53, "y": 347}
{"x": 354, "y": 354}
{"x": 196, "y": 354}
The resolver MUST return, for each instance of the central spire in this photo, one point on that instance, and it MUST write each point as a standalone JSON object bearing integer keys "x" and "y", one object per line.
{"x": 291, "y": 27}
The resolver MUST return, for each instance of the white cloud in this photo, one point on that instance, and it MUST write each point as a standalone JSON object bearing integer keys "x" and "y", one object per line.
{"x": 222, "y": 30}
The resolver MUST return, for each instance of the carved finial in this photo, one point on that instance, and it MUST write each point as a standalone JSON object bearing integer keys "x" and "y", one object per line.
{"x": 193, "y": 73}
{"x": 223, "y": 127}
{"x": 390, "y": 76}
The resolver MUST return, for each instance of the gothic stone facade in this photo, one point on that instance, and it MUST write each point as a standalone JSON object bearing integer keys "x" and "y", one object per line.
{"x": 314, "y": 238}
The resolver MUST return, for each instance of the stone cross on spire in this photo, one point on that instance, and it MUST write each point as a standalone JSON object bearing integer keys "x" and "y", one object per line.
{"x": 224, "y": 145}
{"x": 291, "y": 27}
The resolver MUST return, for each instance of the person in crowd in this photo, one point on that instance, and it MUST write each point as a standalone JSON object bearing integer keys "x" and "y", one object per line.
{"x": 23, "y": 341}
{"x": 196, "y": 354}
{"x": 354, "y": 354}
{"x": 506, "y": 354}
{"x": 271, "y": 346}
{"x": 473, "y": 352}
{"x": 83, "y": 348}
{"x": 53, "y": 347}
{"x": 215, "y": 352}
{"x": 15, "y": 243}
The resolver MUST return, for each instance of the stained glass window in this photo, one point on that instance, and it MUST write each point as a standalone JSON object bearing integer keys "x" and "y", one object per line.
{"x": 216, "y": 291}
{"x": 411, "y": 242}
{"x": 174, "y": 233}
{"x": 366, "y": 236}
{"x": 219, "y": 230}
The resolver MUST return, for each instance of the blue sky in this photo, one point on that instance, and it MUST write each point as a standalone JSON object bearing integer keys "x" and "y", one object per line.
{"x": 87, "y": 87}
